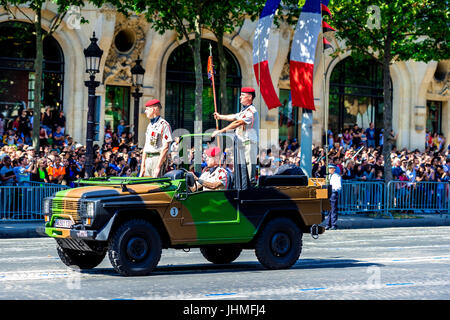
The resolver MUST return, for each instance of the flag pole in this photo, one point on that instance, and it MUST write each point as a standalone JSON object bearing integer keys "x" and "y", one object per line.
{"x": 325, "y": 106}
{"x": 214, "y": 90}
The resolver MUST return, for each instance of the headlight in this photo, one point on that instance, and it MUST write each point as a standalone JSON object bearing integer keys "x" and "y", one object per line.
{"x": 47, "y": 206}
{"x": 47, "y": 209}
{"x": 89, "y": 213}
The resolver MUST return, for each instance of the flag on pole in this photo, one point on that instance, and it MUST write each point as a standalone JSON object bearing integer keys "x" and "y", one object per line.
{"x": 210, "y": 68}
{"x": 325, "y": 10}
{"x": 326, "y": 27}
{"x": 303, "y": 54}
{"x": 326, "y": 44}
{"x": 260, "y": 54}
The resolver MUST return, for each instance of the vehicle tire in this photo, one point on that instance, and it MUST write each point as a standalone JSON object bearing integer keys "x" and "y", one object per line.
{"x": 220, "y": 255}
{"x": 135, "y": 248}
{"x": 279, "y": 244}
{"x": 80, "y": 259}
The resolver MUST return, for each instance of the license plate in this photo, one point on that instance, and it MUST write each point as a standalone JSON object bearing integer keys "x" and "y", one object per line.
{"x": 63, "y": 223}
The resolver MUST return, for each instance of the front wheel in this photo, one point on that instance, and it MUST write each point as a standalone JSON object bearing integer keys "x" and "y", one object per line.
{"x": 80, "y": 259}
{"x": 279, "y": 244}
{"x": 135, "y": 248}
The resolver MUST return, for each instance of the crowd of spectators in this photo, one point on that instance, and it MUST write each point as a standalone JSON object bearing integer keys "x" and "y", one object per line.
{"x": 60, "y": 159}
{"x": 356, "y": 152}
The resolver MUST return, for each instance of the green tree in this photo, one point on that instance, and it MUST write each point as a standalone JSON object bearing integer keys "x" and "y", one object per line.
{"x": 185, "y": 17}
{"x": 391, "y": 31}
{"x": 16, "y": 7}
{"x": 225, "y": 17}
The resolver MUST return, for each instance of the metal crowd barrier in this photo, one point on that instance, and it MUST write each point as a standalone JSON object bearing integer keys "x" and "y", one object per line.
{"x": 396, "y": 196}
{"x": 419, "y": 197}
{"x": 23, "y": 201}
{"x": 360, "y": 197}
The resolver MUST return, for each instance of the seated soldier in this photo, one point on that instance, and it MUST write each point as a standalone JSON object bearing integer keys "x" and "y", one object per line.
{"x": 213, "y": 177}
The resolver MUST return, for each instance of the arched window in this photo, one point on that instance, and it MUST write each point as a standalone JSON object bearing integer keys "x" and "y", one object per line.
{"x": 17, "y": 54}
{"x": 180, "y": 87}
{"x": 356, "y": 95}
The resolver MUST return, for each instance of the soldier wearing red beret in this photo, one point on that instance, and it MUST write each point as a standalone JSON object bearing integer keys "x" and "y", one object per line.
{"x": 157, "y": 141}
{"x": 246, "y": 124}
{"x": 214, "y": 177}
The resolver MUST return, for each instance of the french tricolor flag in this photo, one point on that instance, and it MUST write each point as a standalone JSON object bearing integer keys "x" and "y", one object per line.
{"x": 302, "y": 54}
{"x": 260, "y": 54}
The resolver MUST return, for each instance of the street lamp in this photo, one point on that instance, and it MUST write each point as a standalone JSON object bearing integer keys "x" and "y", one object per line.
{"x": 138, "y": 78}
{"x": 92, "y": 54}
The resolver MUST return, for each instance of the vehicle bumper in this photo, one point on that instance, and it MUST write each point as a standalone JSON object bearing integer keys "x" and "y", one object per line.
{"x": 67, "y": 233}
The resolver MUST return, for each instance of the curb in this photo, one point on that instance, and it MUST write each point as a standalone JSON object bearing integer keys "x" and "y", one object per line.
{"x": 11, "y": 230}
{"x": 355, "y": 222}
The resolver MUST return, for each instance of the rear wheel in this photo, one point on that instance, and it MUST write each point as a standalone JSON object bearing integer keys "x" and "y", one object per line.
{"x": 135, "y": 248}
{"x": 220, "y": 255}
{"x": 279, "y": 244}
{"x": 80, "y": 259}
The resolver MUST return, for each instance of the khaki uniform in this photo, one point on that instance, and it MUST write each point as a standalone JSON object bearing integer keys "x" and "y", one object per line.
{"x": 214, "y": 175}
{"x": 249, "y": 136}
{"x": 158, "y": 133}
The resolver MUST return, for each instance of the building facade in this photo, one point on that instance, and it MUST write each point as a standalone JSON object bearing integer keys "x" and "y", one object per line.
{"x": 352, "y": 91}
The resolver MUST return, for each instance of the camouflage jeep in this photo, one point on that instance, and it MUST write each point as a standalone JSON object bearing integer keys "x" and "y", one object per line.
{"x": 133, "y": 219}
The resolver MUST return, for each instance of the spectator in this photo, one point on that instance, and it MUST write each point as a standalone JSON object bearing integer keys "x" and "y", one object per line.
{"x": 24, "y": 169}
{"x": 370, "y": 135}
{"x": 46, "y": 120}
{"x": 56, "y": 171}
{"x": 7, "y": 175}
{"x": 58, "y": 137}
{"x": 60, "y": 121}
{"x": 40, "y": 173}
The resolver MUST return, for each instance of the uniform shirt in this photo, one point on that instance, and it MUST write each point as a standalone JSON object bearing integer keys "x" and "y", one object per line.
{"x": 157, "y": 134}
{"x": 250, "y": 130}
{"x": 335, "y": 182}
{"x": 213, "y": 175}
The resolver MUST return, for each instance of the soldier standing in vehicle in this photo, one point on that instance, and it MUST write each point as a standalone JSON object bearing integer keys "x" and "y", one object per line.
{"x": 214, "y": 177}
{"x": 157, "y": 141}
{"x": 246, "y": 123}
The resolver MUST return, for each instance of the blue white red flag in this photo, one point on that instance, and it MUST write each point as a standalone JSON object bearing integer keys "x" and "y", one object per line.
{"x": 303, "y": 54}
{"x": 260, "y": 54}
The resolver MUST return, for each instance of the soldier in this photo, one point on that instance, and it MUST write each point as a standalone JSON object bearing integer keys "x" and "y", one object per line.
{"x": 157, "y": 141}
{"x": 246, "y": 123}
{"x": 214, "y": 177}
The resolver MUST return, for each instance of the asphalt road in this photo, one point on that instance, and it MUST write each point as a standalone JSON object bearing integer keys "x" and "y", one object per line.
{"x": 367, "y": 264}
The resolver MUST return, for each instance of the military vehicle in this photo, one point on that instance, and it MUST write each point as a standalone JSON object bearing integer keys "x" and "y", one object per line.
{"x": 133, "y": 219}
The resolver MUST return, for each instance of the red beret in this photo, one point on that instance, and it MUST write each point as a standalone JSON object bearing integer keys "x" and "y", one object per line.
{"x": 248, "y": 90}
{"x": 213, "y": 151}
{"x": 150, "y": 103}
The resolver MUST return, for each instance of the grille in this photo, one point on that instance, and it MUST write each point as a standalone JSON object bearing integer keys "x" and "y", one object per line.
{"x": 71, "y": 207}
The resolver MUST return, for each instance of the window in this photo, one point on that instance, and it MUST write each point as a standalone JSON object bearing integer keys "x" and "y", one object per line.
{"x": 356, "y": 95}
{"x": 434, "y": 114}
{"x": 18, "y": 44}
{"x": 180, "y": 87}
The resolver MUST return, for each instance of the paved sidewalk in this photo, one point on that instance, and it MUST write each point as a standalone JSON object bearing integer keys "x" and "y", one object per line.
{"x": 28, "y": 229}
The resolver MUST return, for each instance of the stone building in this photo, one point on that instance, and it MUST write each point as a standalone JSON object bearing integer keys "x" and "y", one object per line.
{"x": 351, "y": 90}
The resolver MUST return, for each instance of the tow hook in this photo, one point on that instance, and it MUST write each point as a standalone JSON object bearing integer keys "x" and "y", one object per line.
{"x": 315, "y": 231}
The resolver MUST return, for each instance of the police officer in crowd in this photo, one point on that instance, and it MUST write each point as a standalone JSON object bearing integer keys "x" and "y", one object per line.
{"x": 246, "y": 124}
{"x": 157, "y": 141}
{"x": 213, "y": 177}
{"x": 336, "y": 186}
